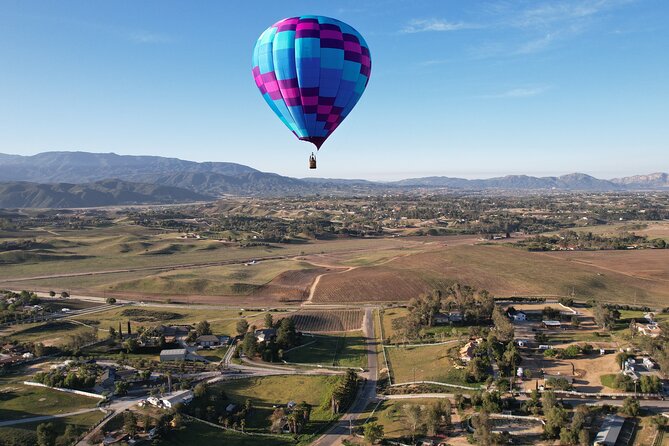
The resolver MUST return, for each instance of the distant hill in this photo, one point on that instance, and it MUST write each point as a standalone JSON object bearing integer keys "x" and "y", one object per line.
{"x": 652, "y": 181}
{"x": 188, "y": 180}
{"x": 574, "y": 181}
{"x": 85, "y": 167}
{"x": 21, "y": 194}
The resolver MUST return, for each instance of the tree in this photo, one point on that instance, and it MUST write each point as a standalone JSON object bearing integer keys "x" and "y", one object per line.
{"x": 483, "y": 428}
{"x": 250, "y": 345}
{"x": 503, "y": 327}
{"x": 631, "y": 407}
{"x": 52, "y": 293}
{"x": 277, "y": 420}
{"x": 129, "y": 423}
{"x": 269, "y": 320}
{"x": 203, "y": 328}
{"x": 413, "y": 418}
{"x": 556, "y": 419}
{"x": 286, "y": 335}
{"x": 69, "y": 436}
{"x": 242, "y": 326}
{"x": 605, "y": 317}
{"x": 120, "y": 388}
{"x": 373, "y": 432}
{"x": 584, "y": 437}
{"x": 548, "y": 400}
{"x": 111, "y": 300}
{"x": 131, "y": 345}
{"x": 39, "y": 349}
{"x": 64, "y": 294}
{"x": 46, "y": 434}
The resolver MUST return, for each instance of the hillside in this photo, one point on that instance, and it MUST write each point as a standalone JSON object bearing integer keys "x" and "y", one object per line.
{"x": 21, "y": 194}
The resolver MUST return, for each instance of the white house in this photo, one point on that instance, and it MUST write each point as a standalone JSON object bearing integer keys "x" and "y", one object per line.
{"x": 519, "y": 316}
{"x": 175, "y": 398}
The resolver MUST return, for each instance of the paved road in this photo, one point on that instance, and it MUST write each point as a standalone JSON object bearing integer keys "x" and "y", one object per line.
{"x": 366, "y": 395}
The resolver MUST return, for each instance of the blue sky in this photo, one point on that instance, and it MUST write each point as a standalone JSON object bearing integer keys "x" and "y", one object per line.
{"x": 458, "y": 88}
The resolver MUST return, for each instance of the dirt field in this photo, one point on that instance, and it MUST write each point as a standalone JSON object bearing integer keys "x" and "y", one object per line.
{"x": 504, "y": 271}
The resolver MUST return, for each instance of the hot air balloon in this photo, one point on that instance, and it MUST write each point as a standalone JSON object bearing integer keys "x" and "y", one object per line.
{"x": 311, "y": 70}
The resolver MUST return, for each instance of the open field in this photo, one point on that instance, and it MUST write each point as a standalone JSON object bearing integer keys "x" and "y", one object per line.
{"x": 345, "y": 350}
{"x": 268, "y": 391}
{"x": 426, "y": 363}
{"x": 18, "y": 401}
{"x": 502, "y": 270}
{"x": 651, "y": 229}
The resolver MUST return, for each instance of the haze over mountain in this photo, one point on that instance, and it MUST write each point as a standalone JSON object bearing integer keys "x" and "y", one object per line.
{"x": 78, "y": 179}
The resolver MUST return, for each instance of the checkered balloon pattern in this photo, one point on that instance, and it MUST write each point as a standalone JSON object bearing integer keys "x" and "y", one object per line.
{"x": 311, "y": 70}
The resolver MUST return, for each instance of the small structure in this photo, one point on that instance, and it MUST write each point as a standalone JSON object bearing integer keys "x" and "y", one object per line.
{"x": 651, "y": 330}
{"x": 551, "y": 324}
{"x": 175, "y": 330}
{"x": 179, "y": 354}
{"x": 108, "y": 378}
{"x": 172, "y": 400}
{"x": 519, "y": 316}
{"x": 610, "y": 430}
{"x": 231, "y": 408}
{"x": 208, "y": 341}
{"x": 265, "y": 334}
{"x": 648, "y": 363}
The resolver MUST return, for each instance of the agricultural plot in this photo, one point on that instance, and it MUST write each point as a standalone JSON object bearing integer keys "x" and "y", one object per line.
{"x": 314, "y": 321}
{"x": 347, "y": 350}
{"x": 504, "y": 271}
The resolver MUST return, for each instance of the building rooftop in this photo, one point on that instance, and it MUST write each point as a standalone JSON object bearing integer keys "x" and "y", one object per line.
{"x": 610, "y": 430}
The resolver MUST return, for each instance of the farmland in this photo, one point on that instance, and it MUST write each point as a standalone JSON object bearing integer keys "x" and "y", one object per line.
{"x": 320, "y": 321}
{"x": 504, "y": 271}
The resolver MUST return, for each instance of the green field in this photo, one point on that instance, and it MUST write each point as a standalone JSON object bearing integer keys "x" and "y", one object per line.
{"x": 268, "y": 391}
{"x": 427, "y": 363}
{"x": 18, "y": 401}
{"x": 347, "y": 350}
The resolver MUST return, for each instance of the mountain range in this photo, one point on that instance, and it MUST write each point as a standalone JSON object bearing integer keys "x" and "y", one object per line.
{"x": 81, "y": 179}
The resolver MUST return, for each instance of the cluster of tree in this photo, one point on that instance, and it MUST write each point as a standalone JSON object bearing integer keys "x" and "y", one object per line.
{"x": 294, "y": 418}
{"x": 476, "y": 306}
{"x": 210, "y": 403}
{"x": 646, "y": 384}
{"x": 343, "y": 392}
{"x": 571, "y": 352}
{"x": 47, "y": 435}
{"x": 75, "y": 376}
{"x": 506, "y": 354}
{"x": 606, "y": 316}
{"x": 271, "y": 349}
{"x": 576, "y": 433}
{"x": 589, "y": 241}
{"x": 202, "y": 328}
{"x": 483, "y": 434}
{"x": 429, "y": 419}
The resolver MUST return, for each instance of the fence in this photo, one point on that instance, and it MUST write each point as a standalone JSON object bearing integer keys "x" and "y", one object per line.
{"x": 455, "y": 386}
{"x": 61, "y": 389}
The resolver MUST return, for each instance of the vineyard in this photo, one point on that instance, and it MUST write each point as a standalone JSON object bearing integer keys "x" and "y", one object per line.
{"x": 328, "y": 321}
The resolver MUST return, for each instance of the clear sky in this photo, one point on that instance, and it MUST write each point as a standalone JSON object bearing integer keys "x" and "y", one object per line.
{"x": 458, "y": 88}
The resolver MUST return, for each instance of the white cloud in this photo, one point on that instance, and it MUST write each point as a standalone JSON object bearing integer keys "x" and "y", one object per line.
{"x": 431, "y": 25}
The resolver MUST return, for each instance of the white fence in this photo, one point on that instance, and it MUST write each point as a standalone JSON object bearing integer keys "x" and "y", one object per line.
{"x": 60, "y": 389}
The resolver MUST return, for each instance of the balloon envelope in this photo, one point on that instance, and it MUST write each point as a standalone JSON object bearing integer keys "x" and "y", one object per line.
{"x": 311, "y": 70}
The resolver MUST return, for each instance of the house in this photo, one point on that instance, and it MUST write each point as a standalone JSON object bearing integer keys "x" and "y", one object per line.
{"x": 179, "y": 354}
{"x": 519, "y": 316}
{"x": 108, "y": 378}
{"x": 447, "y": 318}
{"x": 650, "y": 330}
{"x": 610, "y": 430}
{"x": 224, "y": 340}
{"x": 231, "y": 408}
{"x": 183, "y": 397}
{"x": 551, "y": 324}
{"x": 208, "y": 341}
{"x": 265, "y": 334}
{"x": 175, "y": 330}
{"x": 467, "y": 351}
